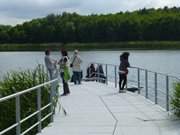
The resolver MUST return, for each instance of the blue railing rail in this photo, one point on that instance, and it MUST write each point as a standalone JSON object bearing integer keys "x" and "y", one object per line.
{"x": 39, "y": 109}
{"x": 155, "y": 86}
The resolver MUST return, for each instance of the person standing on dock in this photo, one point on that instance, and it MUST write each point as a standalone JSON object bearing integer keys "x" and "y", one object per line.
{"x": 123, "y": 70}
{"x": 50, "y": 64}
{"x": 64, "y": 71}
{"x": 76, "y": 67}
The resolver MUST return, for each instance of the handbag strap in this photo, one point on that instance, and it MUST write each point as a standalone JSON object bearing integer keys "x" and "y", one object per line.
{"x": 74, "y": 59}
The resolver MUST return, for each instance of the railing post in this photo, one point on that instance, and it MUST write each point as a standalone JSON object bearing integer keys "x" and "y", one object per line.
{"x": 146, "y": 83}
{"x": 126, "y": 82}
{"x": 155, "y": 88}
{"x": 98, "y": 73}
{"x": 39, "y": 109}
{"x": 52, "y": 102}
{"x": 115, "y": 75}
{"x": 18, "y": 115}
{"x": 167, "y": 93}
{"x": 138, "y": 79}
{"x": 106, "y": 74}
{"x": 89, "y": 73}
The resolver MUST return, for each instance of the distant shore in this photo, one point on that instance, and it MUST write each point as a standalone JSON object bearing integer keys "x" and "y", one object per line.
{"x": 132, "y": 45}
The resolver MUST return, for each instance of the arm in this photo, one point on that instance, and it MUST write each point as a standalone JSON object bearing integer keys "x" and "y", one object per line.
{"x": 80, "y": 60}
{"x": 52, "y": 61}
{"x": 128, "y": 65}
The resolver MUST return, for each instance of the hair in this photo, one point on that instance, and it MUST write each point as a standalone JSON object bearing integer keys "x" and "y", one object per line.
{"x": 92, "y": 65}
{"x": 124, "y": 55}
{"x": 47, "y": 52}
{"x": 65, "y": 60}
{"x": 64, "y": 52}
{"x": 76, "y": 51}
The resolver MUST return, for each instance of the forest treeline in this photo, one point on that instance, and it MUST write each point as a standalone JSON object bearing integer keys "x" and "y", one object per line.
{"x": 142, "y": 25}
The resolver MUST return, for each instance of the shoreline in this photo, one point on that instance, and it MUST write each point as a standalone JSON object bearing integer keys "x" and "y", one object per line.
{"x": 111, "y": 46}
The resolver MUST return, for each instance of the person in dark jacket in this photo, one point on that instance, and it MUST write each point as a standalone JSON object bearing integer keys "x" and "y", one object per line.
{"x": 123, "y": 70}
{"x": 91, "y": 71}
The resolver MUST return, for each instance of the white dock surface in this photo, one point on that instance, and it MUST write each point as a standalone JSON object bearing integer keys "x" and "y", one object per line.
{"x": 97, "y": 109}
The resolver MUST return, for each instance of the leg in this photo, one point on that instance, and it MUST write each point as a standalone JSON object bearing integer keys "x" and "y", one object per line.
{"x": 63, "y": 81}
{"x": 79, "y": 77}
{"x": 120, "y": 81}
{"x": 55, "y": 73}
{"x": 66, "y": 88}
{"x": 81, "y": 74}
{"x": 50, "y": 74}
{"x": 124, "y": 81}
{"x": 72, "y": 78}
{"x": 75, "y": 77}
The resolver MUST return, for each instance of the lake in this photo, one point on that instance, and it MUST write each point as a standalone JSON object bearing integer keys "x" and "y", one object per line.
{"x": 166, "y": 62}
{"x": 160, "y": 61}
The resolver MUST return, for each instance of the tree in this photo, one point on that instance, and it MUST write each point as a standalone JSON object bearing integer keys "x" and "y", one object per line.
{"x": 145, "y": 24}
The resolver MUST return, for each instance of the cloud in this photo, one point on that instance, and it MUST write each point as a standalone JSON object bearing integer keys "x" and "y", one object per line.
{"x": 33, "y": 8}
{"x": 106, "y": 6}
{"x": 11, "y": 20}
{"x": 17, "y": 11}
{"x": 162, "y": 3}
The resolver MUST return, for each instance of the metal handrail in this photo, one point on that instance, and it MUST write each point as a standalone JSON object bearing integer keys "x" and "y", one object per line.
{"x": 134, "y": 67}
{"x": 146, "y": 81}
{"x": 39, "y": 108}
{"x": 26, "y": 91}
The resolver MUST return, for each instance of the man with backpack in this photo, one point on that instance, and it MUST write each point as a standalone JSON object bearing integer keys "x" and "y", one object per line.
{"x": 76, "y": 67}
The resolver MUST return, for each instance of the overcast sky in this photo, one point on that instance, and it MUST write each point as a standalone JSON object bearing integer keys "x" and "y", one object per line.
{"x": 17, "y": 11}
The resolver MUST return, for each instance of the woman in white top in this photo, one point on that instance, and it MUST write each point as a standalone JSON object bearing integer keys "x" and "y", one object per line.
{"x": 63, "y": 62}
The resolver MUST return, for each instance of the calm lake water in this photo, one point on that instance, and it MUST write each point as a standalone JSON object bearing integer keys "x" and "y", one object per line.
{"x": 166, "y": 62}
{"x": 159, "y": 61}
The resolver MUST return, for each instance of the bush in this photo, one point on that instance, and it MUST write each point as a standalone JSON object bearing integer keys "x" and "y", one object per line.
{"x": 176, "y": 100}
{"x": 14, "y": 82}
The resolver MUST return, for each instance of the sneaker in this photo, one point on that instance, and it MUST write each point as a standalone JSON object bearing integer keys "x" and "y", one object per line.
{"x": 122, "y": 91}
{"x": 63, "y": 94}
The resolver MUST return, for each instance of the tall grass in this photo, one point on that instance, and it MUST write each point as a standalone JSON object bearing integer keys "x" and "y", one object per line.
{"x": 16, "y": 81}
{"x": 176, "y": 100}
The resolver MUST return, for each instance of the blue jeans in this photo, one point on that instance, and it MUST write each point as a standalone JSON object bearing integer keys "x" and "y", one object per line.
{"x": 51, "y": 75}
{"x": 77, "y": 77}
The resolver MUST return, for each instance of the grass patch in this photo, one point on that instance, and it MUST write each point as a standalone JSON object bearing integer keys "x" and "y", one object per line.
{"x": 176, "y": 100}
{"x": 14, "y": 82}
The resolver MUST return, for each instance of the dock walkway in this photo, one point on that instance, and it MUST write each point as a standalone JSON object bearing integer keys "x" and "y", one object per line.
{"x": 98, "y": 109}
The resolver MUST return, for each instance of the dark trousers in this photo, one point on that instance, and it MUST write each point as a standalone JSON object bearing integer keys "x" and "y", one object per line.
{"x": 77, "y": 77}
{"x": 122, "y": 81}
{"x": 65, "y": 84}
